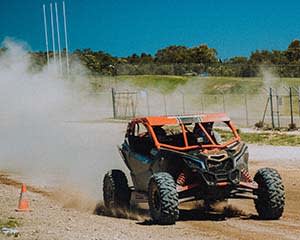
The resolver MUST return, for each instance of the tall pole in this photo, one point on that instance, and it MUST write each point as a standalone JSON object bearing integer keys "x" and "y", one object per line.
{"x": 52, "y": 31}
{"x": 46, "y": 33}
{"x": 58, "y": 37}
{"x": 66, "y": 38}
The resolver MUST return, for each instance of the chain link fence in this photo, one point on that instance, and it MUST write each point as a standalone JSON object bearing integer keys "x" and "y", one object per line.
{"x": 272, "y": 108}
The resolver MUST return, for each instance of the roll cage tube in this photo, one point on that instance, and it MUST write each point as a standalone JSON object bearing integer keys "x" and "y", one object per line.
{"x": 187, "y": 147}
{"x": 131, "y": 130}
{"x": 214, "y": 145}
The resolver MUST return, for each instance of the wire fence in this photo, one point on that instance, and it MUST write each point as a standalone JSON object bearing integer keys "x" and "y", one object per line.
{"x": 272, "y": 108}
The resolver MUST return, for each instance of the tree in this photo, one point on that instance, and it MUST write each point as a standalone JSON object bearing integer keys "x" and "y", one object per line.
{"x": 173, "y": 54}
{"x": 203, "y": 54}
{"x": 146, "y": 58}
{"x": 293, "y": 51}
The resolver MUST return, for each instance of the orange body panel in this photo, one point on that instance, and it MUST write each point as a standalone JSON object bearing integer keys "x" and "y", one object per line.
{"x": 173, "y": 119}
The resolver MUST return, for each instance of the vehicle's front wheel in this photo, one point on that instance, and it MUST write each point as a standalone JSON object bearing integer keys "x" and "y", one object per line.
{"x": 270, "y": 194}
{"x": 163, "y": 198}
{"x": 116, "y": 193}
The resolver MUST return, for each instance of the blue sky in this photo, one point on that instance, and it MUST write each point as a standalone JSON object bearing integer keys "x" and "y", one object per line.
{"x": 135, "y": 26}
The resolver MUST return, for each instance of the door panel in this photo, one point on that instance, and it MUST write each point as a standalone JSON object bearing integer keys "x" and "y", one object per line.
{"x": 140, "y": 158}
{"x": 141, "y": 173}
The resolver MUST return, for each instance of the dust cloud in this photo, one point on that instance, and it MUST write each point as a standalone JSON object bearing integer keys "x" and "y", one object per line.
{"x": 269, "y": 77}
{"x": 50, "y": 129}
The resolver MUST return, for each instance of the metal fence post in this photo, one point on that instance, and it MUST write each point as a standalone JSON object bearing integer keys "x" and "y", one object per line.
{"x": 147, "y": 102}
{"x": 183, "y": 103}
{"x": 134, "y": 105}
{"x": 165, "y": 104}
{"x": 291, "y": 107}
{"x": 113, "y": 102}
{"x": 223, "y": 98}
{"x": 202, "y": 104}
{"x": 299, "y": 101}
{"x": 246, "y": 108}
{"x": 271, "y": 106}
{"x": 277, "y": 108}
{"x": 265, "y": 111}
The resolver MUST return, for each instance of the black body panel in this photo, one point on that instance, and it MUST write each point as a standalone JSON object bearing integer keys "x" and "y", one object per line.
{"x": 206, "y": 169}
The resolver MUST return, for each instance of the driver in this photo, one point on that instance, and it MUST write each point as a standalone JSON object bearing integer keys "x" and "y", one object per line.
{"x": 209, "y": 129}
{"x": 159, "y": 132}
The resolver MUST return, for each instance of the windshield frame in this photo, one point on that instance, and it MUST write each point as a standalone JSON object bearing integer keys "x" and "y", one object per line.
{"x": 191, "y": 147}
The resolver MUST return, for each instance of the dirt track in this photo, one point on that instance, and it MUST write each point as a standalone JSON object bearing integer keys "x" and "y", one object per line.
{"x": 52, "y": 219}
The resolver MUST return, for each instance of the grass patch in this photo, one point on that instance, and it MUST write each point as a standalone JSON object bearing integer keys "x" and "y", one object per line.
{"x": 293, "y": 82}
{"x": 267, "y": 138}
{"x": 163, "y": 83}
{"x": 231, "y": 85}
{"x": 9, "y": 223}
{"x": 206, "y": 85}
{"x": 276, "y": 139}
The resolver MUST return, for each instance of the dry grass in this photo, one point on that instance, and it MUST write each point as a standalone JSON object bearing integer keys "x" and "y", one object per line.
{"x": 267, "y": 138}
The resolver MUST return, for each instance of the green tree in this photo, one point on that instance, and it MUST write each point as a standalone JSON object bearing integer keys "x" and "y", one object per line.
{"x": 173, "y": 54}
{"x": 293, "y": 51}
{"x": 203, "y": 54}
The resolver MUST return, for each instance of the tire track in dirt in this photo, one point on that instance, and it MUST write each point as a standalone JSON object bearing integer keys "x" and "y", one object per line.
{"x": 239, "y": 222}
{"x": 249, "y": 226}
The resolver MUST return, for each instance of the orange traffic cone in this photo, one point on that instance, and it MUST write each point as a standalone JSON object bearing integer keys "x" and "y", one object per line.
{"x": 23, "y": 201}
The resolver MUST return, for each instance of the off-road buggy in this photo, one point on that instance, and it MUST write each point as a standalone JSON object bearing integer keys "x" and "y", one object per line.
{"x": 173, "y": 159}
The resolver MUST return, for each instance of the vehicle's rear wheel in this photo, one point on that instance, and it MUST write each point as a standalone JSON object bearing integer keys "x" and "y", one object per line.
{"x": 270, "y": 194}
{"x": 163, "y": 198}
{"x": 116, "y": 193}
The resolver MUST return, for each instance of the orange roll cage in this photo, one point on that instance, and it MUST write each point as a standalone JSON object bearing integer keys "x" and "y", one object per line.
{"x": 149, "y": 122}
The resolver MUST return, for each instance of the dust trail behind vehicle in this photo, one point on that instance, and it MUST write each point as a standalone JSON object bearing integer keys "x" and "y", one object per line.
{"x": 50, "y": 132}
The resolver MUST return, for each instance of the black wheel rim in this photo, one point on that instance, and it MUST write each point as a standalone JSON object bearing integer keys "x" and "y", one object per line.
{"x": 156, "y": 199}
